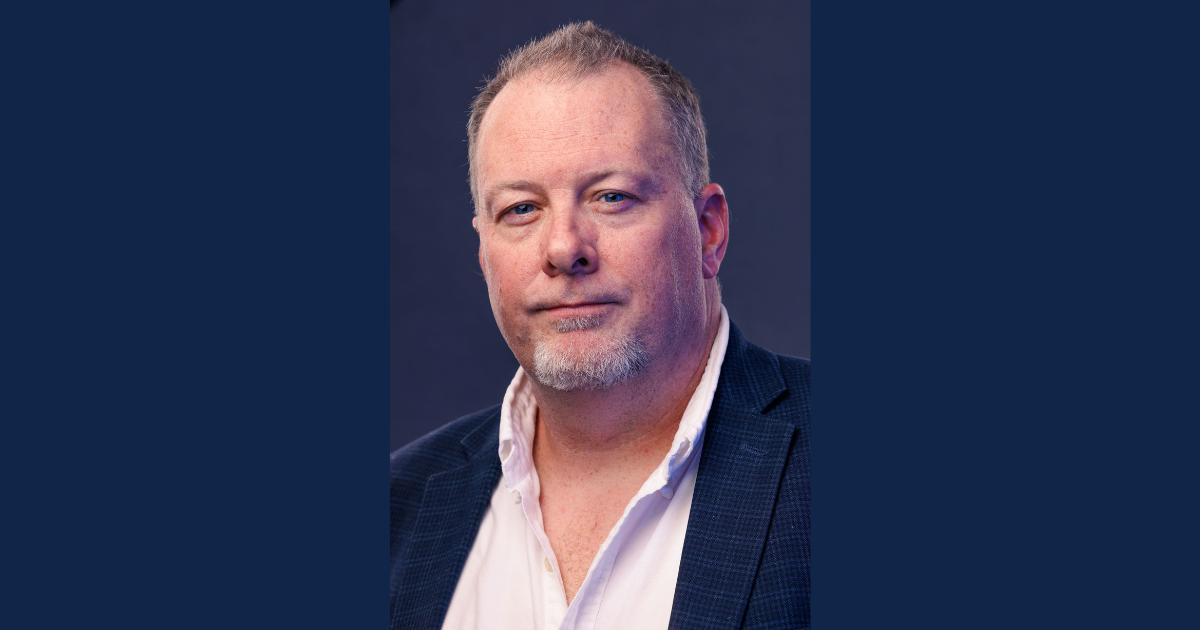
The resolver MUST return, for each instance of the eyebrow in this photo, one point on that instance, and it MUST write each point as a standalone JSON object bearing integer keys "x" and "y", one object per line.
{"x": 516, "y": 184}
{"x": 641, "y": 179}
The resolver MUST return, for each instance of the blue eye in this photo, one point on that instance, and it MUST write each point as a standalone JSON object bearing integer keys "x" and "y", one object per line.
{"x": 615, "y": 197}
{"x": 522, "y": 209}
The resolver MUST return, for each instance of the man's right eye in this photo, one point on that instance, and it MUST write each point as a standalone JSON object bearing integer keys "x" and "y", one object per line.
{"x": 522, "y": 209}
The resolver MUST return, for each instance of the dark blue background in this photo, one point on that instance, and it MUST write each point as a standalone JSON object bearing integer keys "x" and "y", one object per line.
{"x": 195, "y": 281}
{"x": 195, "y": 237}
{"x": 749, "y": 62}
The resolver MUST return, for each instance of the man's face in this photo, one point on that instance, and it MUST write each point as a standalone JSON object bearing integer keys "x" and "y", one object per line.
{"x": 588, "y": 240}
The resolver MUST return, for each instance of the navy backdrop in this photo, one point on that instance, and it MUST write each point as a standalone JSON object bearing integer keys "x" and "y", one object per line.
{"x": 750, "y": 64}
{"x": 193, "y": 237}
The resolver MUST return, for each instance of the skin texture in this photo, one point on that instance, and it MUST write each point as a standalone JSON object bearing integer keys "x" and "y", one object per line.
{"x": 584, "y": 213}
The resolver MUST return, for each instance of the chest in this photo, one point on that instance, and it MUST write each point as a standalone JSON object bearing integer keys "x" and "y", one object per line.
{"x": 577, "y": 524}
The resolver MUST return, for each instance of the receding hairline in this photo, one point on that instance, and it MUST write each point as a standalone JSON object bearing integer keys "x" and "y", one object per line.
{"x": 579, "y": 50}
{"x": 662, "y": 152}
{"x": 657, "y": 104}
{"x": 570, "y": 80}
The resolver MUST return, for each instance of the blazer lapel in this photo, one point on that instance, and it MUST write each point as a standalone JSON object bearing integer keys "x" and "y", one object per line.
{"x": 454, "y": 504}
{"x": 741, "y": 464}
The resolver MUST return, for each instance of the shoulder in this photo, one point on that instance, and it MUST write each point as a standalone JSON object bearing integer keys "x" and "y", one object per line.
{"x": 795, "y": 370}
{"x": 440, "y": 450}
{"x": 792, "y": 403}
{"x": 795, "y": 373}
{"x": 774, "y": 384}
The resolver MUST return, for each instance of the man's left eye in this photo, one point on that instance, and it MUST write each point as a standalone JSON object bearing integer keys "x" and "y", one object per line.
{"x": 615, "y": 197}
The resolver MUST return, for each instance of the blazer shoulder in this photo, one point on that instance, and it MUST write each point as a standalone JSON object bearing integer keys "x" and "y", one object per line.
{"x": 792, "y": 404}
{"x": 762, "y": 380}
{"x": 796, "y": 372}
{"x": 443, "y": 448}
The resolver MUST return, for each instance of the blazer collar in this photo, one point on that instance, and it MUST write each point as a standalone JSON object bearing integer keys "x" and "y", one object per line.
{"x": 483, "y": 439}
{"x": 741, "y": 464}
{"x": 451, "y": 511}
{"x": 751, "y": 376}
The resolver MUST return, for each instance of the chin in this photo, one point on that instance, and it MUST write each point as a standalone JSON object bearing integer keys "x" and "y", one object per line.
{"x": 585, "y": 360}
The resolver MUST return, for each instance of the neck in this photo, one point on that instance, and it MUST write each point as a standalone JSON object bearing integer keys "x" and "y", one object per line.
{"x": 628, "y": 427}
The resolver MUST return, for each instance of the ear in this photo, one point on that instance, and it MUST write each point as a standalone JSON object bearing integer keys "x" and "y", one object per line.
{"x": 712, "y": 211}
{"x": 475, "y": 224}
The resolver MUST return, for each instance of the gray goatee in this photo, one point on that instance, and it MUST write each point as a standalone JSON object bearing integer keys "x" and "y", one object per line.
{"x": 612, "y": 360}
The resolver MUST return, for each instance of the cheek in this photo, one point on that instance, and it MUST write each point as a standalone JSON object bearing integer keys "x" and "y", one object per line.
{"x": 686, "y": 271}
{"x": 679, "y": 249}
{"x": 662, "y": 264}
{"x": 506, "y": 271}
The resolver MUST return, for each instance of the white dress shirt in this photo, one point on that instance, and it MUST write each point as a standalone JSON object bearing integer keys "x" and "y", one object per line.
{"x": 511, "y": 578}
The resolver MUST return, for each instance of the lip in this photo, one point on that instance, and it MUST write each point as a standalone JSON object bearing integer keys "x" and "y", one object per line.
{"x": 573, "y": 308}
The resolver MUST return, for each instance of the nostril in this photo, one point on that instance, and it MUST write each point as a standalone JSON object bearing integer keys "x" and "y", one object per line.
{"x": 582, "y": 262}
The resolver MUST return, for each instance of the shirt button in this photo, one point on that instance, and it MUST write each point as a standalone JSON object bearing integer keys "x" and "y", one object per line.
{"x": 548, "y": 565}
{"x": 667, "y": 492}
{"x": 517, "y": 499}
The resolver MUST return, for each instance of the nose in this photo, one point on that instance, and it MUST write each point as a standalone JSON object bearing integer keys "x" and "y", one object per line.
{"x": 570, "y": 247}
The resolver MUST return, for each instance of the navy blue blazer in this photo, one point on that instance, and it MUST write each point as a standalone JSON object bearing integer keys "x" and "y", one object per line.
{"x": 746, "y": 553}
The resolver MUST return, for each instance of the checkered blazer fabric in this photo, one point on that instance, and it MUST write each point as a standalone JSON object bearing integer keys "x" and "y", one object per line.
{"x": 745, "y": 557}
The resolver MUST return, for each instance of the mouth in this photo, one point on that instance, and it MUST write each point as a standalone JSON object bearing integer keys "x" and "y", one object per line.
{"x": 576, "y": 309}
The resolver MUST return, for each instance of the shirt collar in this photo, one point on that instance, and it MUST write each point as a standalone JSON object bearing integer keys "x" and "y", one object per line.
{"x": 518, "y": 415}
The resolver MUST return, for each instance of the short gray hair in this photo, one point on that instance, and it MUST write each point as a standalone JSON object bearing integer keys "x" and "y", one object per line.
{"x": 579, "y": 50}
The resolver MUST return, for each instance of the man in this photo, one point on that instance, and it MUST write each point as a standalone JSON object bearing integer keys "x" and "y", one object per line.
{"x": 648, "y": 468}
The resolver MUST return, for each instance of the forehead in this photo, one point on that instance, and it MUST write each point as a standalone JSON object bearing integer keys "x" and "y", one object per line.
{"x": 609, "y": 119}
